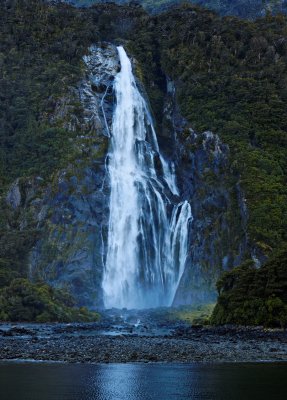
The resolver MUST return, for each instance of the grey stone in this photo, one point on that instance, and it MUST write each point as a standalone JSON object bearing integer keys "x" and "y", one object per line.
{"x": 13, "y": 197}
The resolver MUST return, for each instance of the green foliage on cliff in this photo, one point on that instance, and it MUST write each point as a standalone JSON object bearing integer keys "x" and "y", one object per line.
{"x": 250, "y": 296}
{"x": 193, "y": 315}
{"x": 41, "y": 49}
{"x": 24, "y": 301}
{"x": 241, "y": 8}
{"x": 40, "y": 59}
{"x": 231, "y": 79}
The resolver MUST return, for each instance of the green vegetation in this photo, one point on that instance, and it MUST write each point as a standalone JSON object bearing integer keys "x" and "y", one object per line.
{"x": 241, "y": 8}
{"x": 250, "y": 296}
{"x": 196, "y": 315}
{"x": 40, "y": 59}
{"x": 193, "y": 315}
{"x": 41, "y": 51}
{"x": 230, "y": 77}
{"x": 23, "y": 301}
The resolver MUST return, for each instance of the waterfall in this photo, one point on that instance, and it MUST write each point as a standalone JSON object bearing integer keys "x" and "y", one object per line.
{"x": 148, "y": 230}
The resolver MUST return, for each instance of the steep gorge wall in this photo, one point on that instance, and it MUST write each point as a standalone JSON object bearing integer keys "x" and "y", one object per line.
{"x": 66, "y": 220}
{"x": 218, "y": 239}
{"x": 72, "y": 212}
{"x": 72, "y": 251}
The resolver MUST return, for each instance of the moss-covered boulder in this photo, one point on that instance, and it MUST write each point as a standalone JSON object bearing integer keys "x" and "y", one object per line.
{"x": 250, "y": 296}
{"x": 24, "y": 301}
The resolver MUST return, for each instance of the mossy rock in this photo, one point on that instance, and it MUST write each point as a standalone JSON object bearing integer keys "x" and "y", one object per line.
{"x": 251, "y": 296}
{"x": 24, "y": 301}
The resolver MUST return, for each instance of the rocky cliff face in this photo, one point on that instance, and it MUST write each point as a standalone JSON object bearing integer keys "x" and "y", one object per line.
{"x": 218, "y": 240}
{"x": 72, "y": 212}
{"x": 75, "y": 207}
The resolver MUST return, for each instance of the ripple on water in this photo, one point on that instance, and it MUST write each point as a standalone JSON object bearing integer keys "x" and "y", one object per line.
{"x": 142, "y": 381}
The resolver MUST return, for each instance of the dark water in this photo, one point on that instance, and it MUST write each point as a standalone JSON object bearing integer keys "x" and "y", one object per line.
{"x": 29, "y": 381}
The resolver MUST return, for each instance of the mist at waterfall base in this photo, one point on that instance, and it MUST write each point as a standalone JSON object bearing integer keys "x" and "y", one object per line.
{"x": 149, "y": 224}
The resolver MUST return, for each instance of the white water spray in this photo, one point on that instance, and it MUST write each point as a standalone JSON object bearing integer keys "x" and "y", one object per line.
{"x": 148, "y": 234}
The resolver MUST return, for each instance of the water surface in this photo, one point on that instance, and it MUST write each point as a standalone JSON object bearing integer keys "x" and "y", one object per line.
{"x": 39, "y": 381}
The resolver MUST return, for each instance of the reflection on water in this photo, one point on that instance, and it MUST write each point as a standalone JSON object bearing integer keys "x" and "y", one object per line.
{"x": 34, "y": 381}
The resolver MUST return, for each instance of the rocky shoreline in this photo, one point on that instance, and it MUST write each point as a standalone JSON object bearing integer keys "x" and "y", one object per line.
{"x": 95, "y": 343}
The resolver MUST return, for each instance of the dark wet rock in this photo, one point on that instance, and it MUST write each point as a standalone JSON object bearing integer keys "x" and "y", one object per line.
{"x": 72, "y": 212}
{"x": 218, "y": 240}
{"x": 17, "y": 331}
{"x": 93, "y": 343}
{"x": 70, "y": 252}
{"x": 13, "y": 197}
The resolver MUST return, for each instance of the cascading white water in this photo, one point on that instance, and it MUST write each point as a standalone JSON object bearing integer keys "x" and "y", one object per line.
{"x": 148, "y": 234}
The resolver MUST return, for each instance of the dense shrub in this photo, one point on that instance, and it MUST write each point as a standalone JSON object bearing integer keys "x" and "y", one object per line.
{"x": 241, "y": 8}
{"x": 250, "y": 296}
{"x": 41, "y": 48}
{"x": 230, "y": 77}
{"x": 24, "y": 301}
